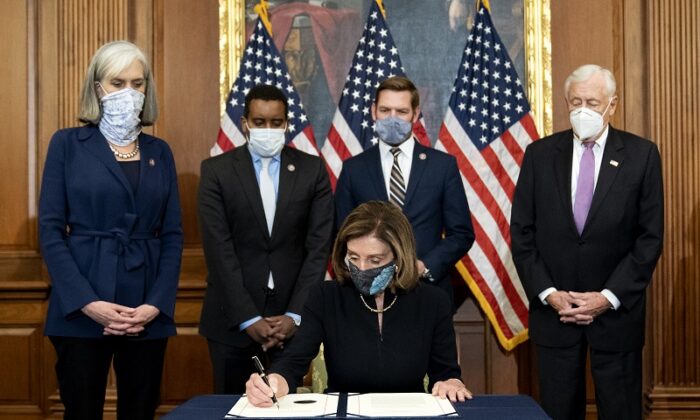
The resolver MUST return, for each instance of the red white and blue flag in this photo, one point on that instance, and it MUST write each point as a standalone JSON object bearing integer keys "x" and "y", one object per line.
{"x": 352, "y": 129}
{"x": 487, "y": 127}
{"x": 263, "y": 64}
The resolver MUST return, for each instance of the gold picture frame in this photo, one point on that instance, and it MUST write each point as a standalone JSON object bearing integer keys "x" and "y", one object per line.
{"x": 538, "y": 56}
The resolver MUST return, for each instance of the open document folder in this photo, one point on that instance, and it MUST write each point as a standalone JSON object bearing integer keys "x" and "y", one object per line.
{"x": 292, "y": 405}
{"x": 399, "y": 405}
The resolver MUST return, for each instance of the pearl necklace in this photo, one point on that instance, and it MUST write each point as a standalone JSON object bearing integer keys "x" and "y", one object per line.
{"x": 125, "y": 156}
{"x": 377, "y": 311}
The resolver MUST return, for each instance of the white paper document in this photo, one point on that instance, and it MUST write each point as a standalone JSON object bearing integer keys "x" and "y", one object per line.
{"x": 292, "y": 405}
{"x": 399, "y": 405}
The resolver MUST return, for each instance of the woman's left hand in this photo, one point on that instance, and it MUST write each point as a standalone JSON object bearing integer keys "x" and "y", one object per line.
{"x": 141, "y": 315}
{"x": 454, "y": 389}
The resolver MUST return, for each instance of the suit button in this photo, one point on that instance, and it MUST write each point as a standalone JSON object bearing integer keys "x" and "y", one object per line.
{"x": 581, "y": 242}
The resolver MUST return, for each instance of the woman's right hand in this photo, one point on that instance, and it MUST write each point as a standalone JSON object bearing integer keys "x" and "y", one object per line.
{"x": 260, "y": 395}
{"x": 115, "y": 318}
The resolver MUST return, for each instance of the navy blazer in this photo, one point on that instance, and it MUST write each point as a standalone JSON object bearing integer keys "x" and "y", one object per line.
{"x": 101, "y": 241}
{"x": 617, "y": 250}
{"x": 435, "y": 204}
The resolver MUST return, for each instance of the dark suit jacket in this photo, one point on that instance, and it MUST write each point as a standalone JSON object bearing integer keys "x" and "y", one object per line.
{"x": 239, "y": 250}
{"x": 435, "y": 203}
{"x": 618, "y": 248}
{"x": 122, "y": 247}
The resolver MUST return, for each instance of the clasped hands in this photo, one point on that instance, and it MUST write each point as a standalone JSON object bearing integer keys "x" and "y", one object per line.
{"x": 118, "y": 319}
{"x": 578, "y": 308}
{"x": 272, "y": 331}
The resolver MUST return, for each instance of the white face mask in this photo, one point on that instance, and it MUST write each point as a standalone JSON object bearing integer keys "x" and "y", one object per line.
{"x": 586, "y": 122}
{"x": 120, "y": 122}
{"x": 266, "y": 142}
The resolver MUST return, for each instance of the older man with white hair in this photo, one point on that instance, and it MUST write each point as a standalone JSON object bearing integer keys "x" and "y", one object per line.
{"x": 587, "y": 231}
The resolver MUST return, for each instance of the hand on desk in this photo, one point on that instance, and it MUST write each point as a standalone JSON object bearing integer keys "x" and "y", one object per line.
{"x": 454, "y": 389}
{"x": 260, "y": 395}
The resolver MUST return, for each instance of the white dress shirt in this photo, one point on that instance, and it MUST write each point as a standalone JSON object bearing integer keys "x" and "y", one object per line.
{"x": 405, "y": 161}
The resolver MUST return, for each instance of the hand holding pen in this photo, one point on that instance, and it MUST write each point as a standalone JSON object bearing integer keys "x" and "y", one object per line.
{"x": 251, "y": 388}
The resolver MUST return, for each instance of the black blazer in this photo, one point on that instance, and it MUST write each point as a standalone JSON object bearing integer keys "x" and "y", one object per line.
{"x": 618, "y": 248}
{"x": 239, "y": 250}
{"x": 435, "y": 204}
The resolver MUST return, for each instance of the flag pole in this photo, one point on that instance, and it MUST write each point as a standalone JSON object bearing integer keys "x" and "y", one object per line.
{"x": 485, "y": 3}
{"x": 381, "y": 7}
{"x": 261, "y": 10}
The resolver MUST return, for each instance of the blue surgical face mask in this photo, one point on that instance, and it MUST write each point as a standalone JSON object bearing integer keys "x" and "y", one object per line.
{"x": 372, "y": 281}
{"x": 393, "y": 130}
{"x": 120, "y": 122}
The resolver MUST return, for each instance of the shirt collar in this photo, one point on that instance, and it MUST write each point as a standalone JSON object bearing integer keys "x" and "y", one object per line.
{"x": 406, "y": 147}
{"x": 600, "y": 142}
{"x": 257, "y": 158}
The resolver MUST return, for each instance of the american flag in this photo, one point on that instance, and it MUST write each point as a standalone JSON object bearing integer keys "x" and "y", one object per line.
{"x": 487, "y": 127}
{"x": 263, "y": 64}
{"x": 352, "y": 129}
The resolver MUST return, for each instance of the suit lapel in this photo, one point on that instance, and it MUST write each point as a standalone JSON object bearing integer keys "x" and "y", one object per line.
{"x": 245, "y": 172}
{"x": 150, "y": 159}
{"x": 608, "y": 171}
{"x": 287, "y": 180}
{"x": 418, "y": 164}
{"x": 562, "y": 171}
{"x": 96, "y": 144}
{"x": 374, "y": 169}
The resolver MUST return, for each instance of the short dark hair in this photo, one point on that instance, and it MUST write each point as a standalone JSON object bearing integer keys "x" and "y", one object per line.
{"x": 399, "y": 84}
{"x": 265, "y": 93}
{"x": 386, "y": 222}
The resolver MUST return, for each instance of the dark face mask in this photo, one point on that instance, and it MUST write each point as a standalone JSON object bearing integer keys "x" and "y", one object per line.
{"x": 374, "y": 280}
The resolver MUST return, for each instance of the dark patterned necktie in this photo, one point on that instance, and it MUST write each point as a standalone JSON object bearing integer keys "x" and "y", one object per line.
{"x": 397, "y": 187}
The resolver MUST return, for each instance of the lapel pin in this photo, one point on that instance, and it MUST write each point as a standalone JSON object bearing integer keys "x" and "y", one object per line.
{"x": 422, "y": 156}
{"x": 151, "y": 162}
{"x": 291, "y": 168}
{"x": 614, "y": 163}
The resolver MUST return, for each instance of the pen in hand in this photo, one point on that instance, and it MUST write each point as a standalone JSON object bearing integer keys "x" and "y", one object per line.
{"x": 263, "y": 375}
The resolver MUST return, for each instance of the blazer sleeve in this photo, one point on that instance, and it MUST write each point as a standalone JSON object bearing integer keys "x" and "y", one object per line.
{"x": 458, "y": 230}
{"x": 443, "y": 353}
{"x": 70, "y": 287}
{"x": 344, "y": 202}
{"x": 531, "y": 268}
{"x": 224, "y": 268}
{"x": 162, "y": 294}
{"x": 318, "y": 240}
{"x": 631, "y": 277}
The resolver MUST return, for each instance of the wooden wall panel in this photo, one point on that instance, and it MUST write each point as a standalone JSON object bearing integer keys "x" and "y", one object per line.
{"x": 675, "y": 110}
{"x": 14, "y": 207}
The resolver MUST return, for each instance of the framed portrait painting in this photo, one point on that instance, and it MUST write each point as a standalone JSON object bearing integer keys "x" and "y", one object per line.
{"x": 429, "y": 34}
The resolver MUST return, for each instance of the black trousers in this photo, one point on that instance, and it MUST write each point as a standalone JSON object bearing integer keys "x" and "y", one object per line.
{"x": 233, "y": 365}
{"x": 617, "y": 377}
{"x": 83, "y": 365}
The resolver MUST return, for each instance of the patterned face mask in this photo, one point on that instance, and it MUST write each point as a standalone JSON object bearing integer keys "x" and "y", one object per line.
{"x": 120, "y": 123}
{"x": 374, "y": 280}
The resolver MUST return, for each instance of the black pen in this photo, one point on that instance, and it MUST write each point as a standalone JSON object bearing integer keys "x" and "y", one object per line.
{"x": 263, "y": 375}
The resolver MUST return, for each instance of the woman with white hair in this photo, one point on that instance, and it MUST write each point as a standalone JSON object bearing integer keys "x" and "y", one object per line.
{"x": 111, "y": 236}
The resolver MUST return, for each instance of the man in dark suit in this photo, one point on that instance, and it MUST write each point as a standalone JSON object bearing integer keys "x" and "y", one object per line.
{"x": 266, "y": 215}
{"x": 587, "y": 231}
{"x": 424, "y": 182}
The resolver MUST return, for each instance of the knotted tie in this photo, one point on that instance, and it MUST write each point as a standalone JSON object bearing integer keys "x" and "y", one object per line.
{"x": 397, "y": 187}
{"x": 584, "y": 186}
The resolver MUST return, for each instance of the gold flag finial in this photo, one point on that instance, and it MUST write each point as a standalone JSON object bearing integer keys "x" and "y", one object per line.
{"x": 381, "y": 7}
{"x": 261, "y": 10}
{"x": 485, "y": 3}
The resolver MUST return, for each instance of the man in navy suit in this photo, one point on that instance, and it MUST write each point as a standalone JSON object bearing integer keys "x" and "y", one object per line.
{"x": 587, "y": 231}
{"x": 424, "y": 182}
{"x": 266, "y": 214}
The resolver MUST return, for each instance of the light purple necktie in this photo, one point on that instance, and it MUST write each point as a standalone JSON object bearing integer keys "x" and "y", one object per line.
{"x": 584, "y": 186}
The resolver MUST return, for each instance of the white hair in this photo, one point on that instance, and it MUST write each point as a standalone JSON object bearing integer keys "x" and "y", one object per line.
{"x": 587, "y": 71}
